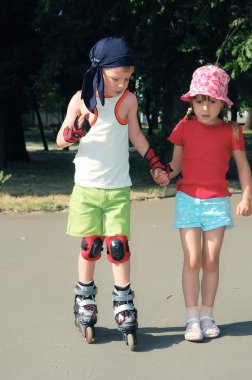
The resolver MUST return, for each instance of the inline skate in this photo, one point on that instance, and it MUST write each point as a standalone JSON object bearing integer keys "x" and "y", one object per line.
{"x": 125, "y": 315}
{"x": 85, "y": 310}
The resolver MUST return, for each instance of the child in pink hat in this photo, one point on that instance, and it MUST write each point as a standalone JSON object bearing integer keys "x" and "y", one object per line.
{"x": 203, "y": 146}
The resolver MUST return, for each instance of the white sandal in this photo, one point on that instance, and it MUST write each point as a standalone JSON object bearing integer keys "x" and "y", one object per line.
{"x": 209, "y": 327}
{"x": 193, "y": 332}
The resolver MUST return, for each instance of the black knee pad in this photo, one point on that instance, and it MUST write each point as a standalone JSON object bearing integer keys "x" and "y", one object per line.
{"x": 91, "y": 247}
{"x": 117, "y": 249}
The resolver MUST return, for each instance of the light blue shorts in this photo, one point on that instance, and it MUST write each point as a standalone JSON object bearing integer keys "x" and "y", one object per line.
{"x": 206, "y": 214}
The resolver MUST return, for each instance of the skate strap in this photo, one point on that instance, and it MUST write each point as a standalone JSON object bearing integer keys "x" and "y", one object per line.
{"x": 86, "y": 291}
{"x": 86, "y": 302}
{"x": 123, "y": 297}
{"x": 125, "y": 307}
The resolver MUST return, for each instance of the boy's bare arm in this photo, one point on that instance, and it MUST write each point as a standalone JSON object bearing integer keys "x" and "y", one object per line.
{"x": 135, "y": 134}
{"x": 73, "y": 111}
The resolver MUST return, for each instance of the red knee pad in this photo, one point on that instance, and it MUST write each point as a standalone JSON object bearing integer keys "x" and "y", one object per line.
{"x": 117, "y": 249}
{"x": 91, "y": 247}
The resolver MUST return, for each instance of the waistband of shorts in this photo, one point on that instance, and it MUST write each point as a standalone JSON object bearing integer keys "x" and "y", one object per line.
{"x": 181, "y": 194}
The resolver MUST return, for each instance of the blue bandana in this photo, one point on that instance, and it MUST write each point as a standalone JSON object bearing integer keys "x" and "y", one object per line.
{"x": 108, "y": 52}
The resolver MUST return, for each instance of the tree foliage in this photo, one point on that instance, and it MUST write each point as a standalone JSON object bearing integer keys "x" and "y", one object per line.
{"x": 48, "y": 54}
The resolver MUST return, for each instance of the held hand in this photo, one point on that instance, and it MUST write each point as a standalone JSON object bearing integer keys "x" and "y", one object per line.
{"x": 172, "y": 174}
{"x": 244, "y": 208}
{"x": 160, "y": 177}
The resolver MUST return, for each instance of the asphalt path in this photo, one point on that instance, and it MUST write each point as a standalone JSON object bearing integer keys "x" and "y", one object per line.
{"x": 38, "y": 272}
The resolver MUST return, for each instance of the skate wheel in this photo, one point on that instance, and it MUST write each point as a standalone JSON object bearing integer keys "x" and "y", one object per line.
{"x": 131, "y": 342}
{"x": 89, "y": 334}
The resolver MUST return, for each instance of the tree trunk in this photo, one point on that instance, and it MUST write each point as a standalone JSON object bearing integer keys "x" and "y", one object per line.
{"x": 234, "y": 111}
{"x": 172, "y": 113}
{"x": 139, "y": 120}
{"x": 13, "y": 127}
{"x": 3, "y": 153}
{"x": 147, "y": 112}
{"x": 40, "y": 124}
{"x": 233, "y": 96}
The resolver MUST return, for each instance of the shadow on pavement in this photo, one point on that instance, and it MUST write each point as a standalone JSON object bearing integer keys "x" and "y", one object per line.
{"x": 237, "y": 329}
{"x": 147, "y": 337}
{"x": 153, "y": 338}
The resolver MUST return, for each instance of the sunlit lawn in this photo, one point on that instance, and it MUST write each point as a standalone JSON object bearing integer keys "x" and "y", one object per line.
{"x": 46, "y": 181}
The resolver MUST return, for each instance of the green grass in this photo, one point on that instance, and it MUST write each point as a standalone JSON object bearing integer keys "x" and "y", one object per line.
{"x": 45, "y": 182}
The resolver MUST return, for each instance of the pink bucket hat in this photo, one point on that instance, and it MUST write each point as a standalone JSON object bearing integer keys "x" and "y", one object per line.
{"x": 211, "y": 81}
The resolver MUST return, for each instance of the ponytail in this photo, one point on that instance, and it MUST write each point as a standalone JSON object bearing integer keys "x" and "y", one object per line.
{"x": 189, "y": 114}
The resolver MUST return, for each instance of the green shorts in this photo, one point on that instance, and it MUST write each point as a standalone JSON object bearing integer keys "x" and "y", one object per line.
{"x": 95, "y": 211}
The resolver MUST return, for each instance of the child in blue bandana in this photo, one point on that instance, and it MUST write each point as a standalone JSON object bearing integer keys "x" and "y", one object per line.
{"x": 102, "y": 118}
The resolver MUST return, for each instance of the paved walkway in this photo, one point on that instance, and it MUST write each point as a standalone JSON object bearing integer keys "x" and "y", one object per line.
{"x": 38, "y": 272}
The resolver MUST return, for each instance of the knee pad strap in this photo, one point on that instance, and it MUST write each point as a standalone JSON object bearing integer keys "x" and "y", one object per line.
{"x": 117, "y": 249}
{"x": 91, "y": 247}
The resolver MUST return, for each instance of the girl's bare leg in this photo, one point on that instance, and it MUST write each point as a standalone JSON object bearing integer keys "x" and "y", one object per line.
{"x": 191, "y": 243}
{"x": 212, "y": 243}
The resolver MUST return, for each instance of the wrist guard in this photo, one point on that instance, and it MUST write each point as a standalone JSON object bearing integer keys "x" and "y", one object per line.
{"x": 74, "y": 133}
{"x": 155, "y": 162}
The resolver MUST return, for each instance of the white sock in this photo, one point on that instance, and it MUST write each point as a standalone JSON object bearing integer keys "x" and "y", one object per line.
{"x": 192, "y": 312}
{"x": 206, "y": 311}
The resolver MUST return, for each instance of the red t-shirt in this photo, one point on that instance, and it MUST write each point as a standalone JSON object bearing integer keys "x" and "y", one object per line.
{"x": 206, "y": 153}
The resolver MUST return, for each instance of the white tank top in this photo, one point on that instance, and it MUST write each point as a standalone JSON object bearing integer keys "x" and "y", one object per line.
{"x": 102, "y": 160}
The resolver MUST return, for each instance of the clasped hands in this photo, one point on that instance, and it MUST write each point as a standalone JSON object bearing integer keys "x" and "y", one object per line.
{"x": 161, "y": 177}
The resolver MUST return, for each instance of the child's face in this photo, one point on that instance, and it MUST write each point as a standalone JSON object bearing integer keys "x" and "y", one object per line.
{"x": 207, "y": 109}
{"x": 116, "y": 80}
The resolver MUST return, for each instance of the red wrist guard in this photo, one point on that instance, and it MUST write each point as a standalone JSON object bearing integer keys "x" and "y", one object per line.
{"x": 155, "y": 162}
{"x": 73, "y": 133}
